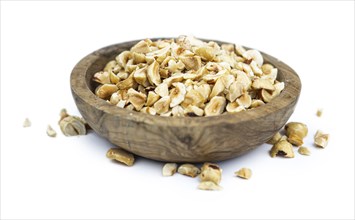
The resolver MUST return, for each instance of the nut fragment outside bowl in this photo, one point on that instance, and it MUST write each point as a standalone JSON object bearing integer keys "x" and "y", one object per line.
{"x": 181, "y": 139}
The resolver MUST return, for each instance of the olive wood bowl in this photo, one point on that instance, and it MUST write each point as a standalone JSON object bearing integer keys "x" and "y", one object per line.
{"x": 181, "y": 139}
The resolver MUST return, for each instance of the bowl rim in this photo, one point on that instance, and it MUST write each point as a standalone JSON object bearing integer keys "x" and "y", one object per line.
{"x": 289, "y": 95}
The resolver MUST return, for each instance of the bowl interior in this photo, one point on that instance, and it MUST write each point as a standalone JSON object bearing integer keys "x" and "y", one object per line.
{"x": 188, "y": 139}
{"x": 285, "y": 74}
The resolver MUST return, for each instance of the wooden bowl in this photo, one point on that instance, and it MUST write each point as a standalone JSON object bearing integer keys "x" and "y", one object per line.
{"x": 181, "y": 139}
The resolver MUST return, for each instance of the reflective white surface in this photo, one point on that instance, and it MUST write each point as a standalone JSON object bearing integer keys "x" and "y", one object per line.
{"x": 42, "y": 177}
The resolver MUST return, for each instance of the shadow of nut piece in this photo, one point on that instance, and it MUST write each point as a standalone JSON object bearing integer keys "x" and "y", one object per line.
{"x": 121, "y": 156}
{"x": 189, "y": 170}
{"x": 209, "y": 185}
{"x": 296, "y": 131}
{"x": 304, "y": 151}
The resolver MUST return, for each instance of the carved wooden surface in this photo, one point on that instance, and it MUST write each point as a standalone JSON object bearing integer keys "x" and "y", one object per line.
{"x": 181, "y": 139}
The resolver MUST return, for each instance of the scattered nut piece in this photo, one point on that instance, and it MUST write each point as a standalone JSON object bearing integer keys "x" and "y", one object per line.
{"x": 295, "y": 132}
{"x": 152, "y": 98}
{"x": 136, "y": 98}
{"x": 215, "y": 106}
{"x": 218, "y": 88}
{"x": 105, "y": 91}
{"x": 177, "y": 94}
{"x": 304, "y": 151}
{"x": 206, "y": 53}
{"x": 244, "y": 100}
{"x": 26, "y": 123}
{"x": 102, "y": 77}
{"x": 319, "y": 112}
{"x": 194, "y": 98}
{"x": 321, "y": 139}
{"x": 178, "y": 111}
{"x": 276, "y": 138}
{"x": 266, "y": 68}
{"x": 254, "y": 55}
{"x": 162, "y": 106}
{"x": 209, "y": 185}
{"x": 153, "y": 73}
{"x": 141, "y": 47}
{"x": 211, "y": 172}
{"x": 51, "y": 132}
{"x": 244, "y": 173}
{"x": 149, "y": 110}
{"x": 71, "y": 125}
{"x": 162, "y": 90}
{"x": 193, "y": 111}
{"x": 115, "y": 98}
{"x": 169, "y": 169}
{"x": 166, "y": 114}
{"x": 121, "y": 103}
{"x": 282, "y": 148}
{"x": 263, "y": 84}
{"x": 235, "y": 91}
{"x": 189, "y": 170}
{"x": 256, "y": 103}
{"x": 140, "y": 76}
{"x": 191, "y": 63}
{"x": 121, "y": 156}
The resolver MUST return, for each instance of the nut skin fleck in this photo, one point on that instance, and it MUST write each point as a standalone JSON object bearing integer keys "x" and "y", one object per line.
{"x": 121, "y": 156}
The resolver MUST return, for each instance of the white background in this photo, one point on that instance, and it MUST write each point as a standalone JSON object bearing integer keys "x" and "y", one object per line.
{"x": 42, "y": 177}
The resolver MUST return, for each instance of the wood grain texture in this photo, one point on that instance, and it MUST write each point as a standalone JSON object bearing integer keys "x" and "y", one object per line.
{"x": 185, "y": 139}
